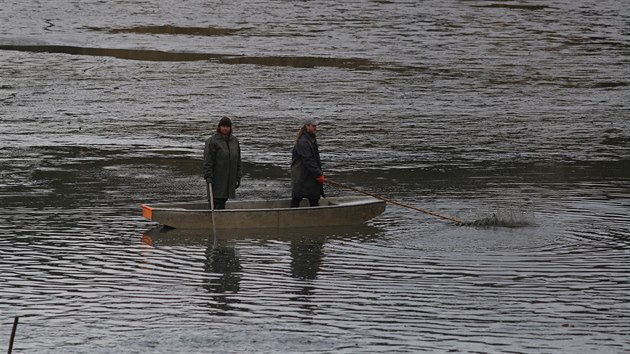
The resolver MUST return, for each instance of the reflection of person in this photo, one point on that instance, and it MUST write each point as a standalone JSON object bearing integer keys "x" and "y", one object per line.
{"x": 222, "y": 260}
{"x": 306, "y": 168}
{"x": 223, "y": 267}
{"x": 222, "y": 163}
{"x": 306, "y": 258}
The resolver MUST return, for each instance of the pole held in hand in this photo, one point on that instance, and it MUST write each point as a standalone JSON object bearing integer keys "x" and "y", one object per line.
{"x": 429, "y": 212}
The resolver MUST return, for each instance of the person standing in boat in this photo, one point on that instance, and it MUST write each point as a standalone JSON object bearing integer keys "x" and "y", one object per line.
{"x": 307, "y": 179}
{"x": 222, "y": 166}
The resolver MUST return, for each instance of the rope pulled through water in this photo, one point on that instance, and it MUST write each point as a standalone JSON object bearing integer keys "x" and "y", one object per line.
{"x": 496, "y": 219}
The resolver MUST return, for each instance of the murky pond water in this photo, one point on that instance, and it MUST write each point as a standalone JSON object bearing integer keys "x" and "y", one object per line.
{"x": 466, "y": 108}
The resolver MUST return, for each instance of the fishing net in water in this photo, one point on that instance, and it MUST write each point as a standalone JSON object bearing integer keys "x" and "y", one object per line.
{"x": 504, "y": 218}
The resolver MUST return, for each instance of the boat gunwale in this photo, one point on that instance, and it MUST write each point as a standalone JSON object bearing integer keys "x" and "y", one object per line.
{"x": 360, "y": 201}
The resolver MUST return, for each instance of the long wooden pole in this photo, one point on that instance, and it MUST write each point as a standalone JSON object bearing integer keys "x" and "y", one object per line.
{"x": 214, "y": 224}
{"x": 208, "y": 190}
{"x": 445, "y": 217}
{"x": 15, "y": 323}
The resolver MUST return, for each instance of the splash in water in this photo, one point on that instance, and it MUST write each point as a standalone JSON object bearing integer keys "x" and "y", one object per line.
{"x": 505, "y": 218}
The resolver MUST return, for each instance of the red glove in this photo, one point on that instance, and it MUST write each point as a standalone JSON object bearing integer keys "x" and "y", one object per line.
{"x": 320, "y": 179}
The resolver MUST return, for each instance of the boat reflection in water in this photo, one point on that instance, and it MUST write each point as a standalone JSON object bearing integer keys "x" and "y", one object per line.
{"x": 223, "y": 262}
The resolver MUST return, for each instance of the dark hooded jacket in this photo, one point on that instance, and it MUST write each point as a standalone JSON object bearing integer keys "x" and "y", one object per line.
{"x": 222, "y": 165}
{"x": 305, "y": 168}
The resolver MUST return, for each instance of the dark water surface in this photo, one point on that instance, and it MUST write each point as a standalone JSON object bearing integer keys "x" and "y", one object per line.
{"x": 467, "y": 108}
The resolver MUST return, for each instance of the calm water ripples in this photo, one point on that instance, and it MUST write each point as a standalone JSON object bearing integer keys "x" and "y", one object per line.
{"x": 465, "y": 108}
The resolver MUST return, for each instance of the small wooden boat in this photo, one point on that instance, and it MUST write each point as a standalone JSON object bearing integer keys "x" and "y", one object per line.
{"x": 253, "y": 214}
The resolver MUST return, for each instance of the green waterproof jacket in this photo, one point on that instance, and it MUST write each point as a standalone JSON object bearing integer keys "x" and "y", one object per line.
{"x": 305, "y": 168}
{"x": 222, "y": 165}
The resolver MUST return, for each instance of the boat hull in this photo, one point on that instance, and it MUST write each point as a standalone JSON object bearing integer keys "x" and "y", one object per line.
{"x": 334, "y": 211}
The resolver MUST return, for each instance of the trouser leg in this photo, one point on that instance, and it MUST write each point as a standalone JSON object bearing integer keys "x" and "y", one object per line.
{"x": 314, "y": 202}
{"x": 295, "y": 202}
{"x": 219, "y": 203}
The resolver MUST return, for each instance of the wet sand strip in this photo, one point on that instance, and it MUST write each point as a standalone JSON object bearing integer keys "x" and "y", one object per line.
{"x": 514, "y": 6}
{"x": 171, "y": 30}
{"x": 157, "y": 55}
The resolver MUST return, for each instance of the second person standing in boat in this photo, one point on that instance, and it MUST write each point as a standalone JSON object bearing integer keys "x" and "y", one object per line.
{"x": 222, "y": 167}
{"x": 307, "y": 178}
